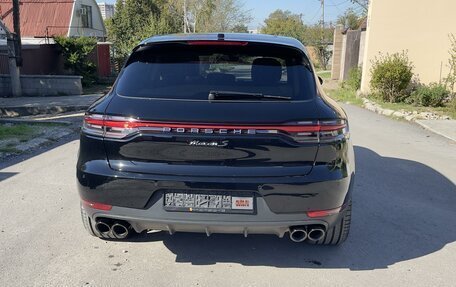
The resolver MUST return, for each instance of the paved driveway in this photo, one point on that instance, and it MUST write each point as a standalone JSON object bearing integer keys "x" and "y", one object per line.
{"x": 403, "y": 230}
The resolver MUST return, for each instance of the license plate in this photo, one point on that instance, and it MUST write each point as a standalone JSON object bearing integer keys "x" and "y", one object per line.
{"x": 205, "y": 202}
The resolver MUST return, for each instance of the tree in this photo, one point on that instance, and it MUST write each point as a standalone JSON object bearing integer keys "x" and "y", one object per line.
{"x": 349, "y": 19}
{"x": 284, "y": 23}
{"x": 240, "y": 29}
{"x": 364, "y": 4}
{"x": 135, "y": 20}
{"x": 75, "y": 52}
{"x": 315, "y": 34}
{"x": 204, "y": 16}
{"x": 324, "y": 55}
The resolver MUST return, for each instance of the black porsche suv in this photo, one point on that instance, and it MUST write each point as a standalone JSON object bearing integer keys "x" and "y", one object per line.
{"x": 217, "y": 133}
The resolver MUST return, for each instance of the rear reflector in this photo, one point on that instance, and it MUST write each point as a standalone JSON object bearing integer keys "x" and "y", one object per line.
{"x": 217, "y": 43}
{"x": 96, "y": 205}
{"x": 323, "y": 213}
{"x": 120, "y": 127}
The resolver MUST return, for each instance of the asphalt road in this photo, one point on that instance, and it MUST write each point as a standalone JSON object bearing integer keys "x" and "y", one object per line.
{"x": 403, "y": 231}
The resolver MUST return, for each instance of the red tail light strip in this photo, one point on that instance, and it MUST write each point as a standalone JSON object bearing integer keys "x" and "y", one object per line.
{"x": 131, "y": 124}
{"x": 121, "y": 127}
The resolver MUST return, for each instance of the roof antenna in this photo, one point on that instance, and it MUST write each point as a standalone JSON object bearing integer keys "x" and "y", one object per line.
{"x": 221, "y": 36}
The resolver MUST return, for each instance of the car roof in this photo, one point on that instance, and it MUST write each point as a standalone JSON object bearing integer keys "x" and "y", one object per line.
{"x": 260, "y": 38}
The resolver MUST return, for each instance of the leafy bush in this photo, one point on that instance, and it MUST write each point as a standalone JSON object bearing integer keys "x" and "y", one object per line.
{"x": 354, "y": 78}
{"x": 451, "y": 79}
{"x": 75, "y": 52}
{"x": 452, "y": 105}
{"x": 391, "y": 75}
{"x": 433, "y": 95}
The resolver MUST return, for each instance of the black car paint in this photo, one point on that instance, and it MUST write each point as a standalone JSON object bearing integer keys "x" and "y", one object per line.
{"x": 326, "y": 184}
{"x": 101, "y": 182}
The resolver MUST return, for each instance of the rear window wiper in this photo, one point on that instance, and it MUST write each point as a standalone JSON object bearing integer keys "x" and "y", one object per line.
{"x": 227, "y": 96}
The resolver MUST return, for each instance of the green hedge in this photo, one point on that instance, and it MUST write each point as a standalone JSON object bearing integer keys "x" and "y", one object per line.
{"x": 391, "y": 75}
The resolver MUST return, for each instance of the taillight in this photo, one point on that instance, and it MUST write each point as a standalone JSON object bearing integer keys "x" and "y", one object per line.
{"x": 322, "y": 131}
{"x": 302, "y": 132}
{"x": 110, "y": 127}
{"x": 323, "y": 213}
{"x": 96, "y": 205}
{"x": 93, "y": 125}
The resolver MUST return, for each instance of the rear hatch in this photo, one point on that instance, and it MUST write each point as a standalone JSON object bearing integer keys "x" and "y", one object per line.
{"x": 223, "y": 109}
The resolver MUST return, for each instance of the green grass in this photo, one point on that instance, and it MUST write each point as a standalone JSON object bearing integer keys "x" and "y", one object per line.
{"x": 325, "y": 75}
{"x": 447, "y": 110}
{"x": 22, "y": 132}
{"x": 9, "y": 149}
{"x": 345, "y": 96}
{"x": 12, "y": 135}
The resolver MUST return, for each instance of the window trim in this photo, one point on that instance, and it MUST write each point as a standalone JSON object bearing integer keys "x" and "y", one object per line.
{"x": 88, "y": 16}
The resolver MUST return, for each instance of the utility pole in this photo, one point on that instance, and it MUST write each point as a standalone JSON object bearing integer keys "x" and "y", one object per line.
{"x": 17, "y": 32}
{"x": 16, "y": 90}
{"x": 322, "y": 20}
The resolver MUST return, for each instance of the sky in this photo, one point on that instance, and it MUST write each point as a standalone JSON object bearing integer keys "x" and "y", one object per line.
{"x": 311, "y": 9}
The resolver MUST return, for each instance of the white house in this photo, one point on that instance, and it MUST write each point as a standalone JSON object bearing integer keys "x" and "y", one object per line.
{"x": 45, "y": 19}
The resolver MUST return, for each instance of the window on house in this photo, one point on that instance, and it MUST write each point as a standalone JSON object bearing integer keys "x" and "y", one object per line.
{"x": 86, "y": 16}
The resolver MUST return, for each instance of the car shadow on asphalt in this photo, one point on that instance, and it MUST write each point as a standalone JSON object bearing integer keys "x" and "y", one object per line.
{"x": 6, "y": 175}
{"x": 402, "y": 210}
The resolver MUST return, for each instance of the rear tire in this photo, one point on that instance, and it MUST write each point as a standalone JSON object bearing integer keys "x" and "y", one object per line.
{"x": 339, "y": 232}
{"x": 90, "y": 227}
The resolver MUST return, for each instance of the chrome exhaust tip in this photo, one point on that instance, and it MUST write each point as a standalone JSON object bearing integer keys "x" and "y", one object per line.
{"x": 102, "y": 227}
{"x": 316, "y": 234}
{"x": 298, "y": 234}
{"x": 120, "y": 231}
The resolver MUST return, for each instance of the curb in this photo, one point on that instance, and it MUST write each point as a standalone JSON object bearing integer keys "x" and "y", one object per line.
{"x": 413, "y": 118}
{"x": 11, "y": 112}
{"x": 32, "y": 122}
{"x": 426, "y": 127}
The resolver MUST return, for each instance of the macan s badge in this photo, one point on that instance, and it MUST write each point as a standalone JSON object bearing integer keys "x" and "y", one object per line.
{"x": 213, "y": 143}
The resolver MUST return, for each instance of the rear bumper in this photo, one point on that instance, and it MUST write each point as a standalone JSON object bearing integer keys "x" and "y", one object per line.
{"x": 323, "y": 189}
{"x": 263, "y": 222}
{"x": 281, "y": 202}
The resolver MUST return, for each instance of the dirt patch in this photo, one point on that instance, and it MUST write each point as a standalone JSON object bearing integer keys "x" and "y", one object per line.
{"x": 18, "y": 138}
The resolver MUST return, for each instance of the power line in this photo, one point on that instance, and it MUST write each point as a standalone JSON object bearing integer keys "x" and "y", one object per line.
{"x": 336, "y": 5}
{"x": 315, "y": 16}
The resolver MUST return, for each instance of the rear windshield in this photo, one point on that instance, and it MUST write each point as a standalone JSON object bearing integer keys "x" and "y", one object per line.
{"x": 191, "y": 72}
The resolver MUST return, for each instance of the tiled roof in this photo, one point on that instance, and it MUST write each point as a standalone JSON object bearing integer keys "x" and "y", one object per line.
{"x": 40, "y": 16}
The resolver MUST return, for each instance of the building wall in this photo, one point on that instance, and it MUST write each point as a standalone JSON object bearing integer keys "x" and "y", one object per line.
{"x": 337, "y": 53}
{"x": 98, "y": 29}
{"x": 106, "y": 10}
{"x": 362, "y": 47}
{"x": 420, "y": 27}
